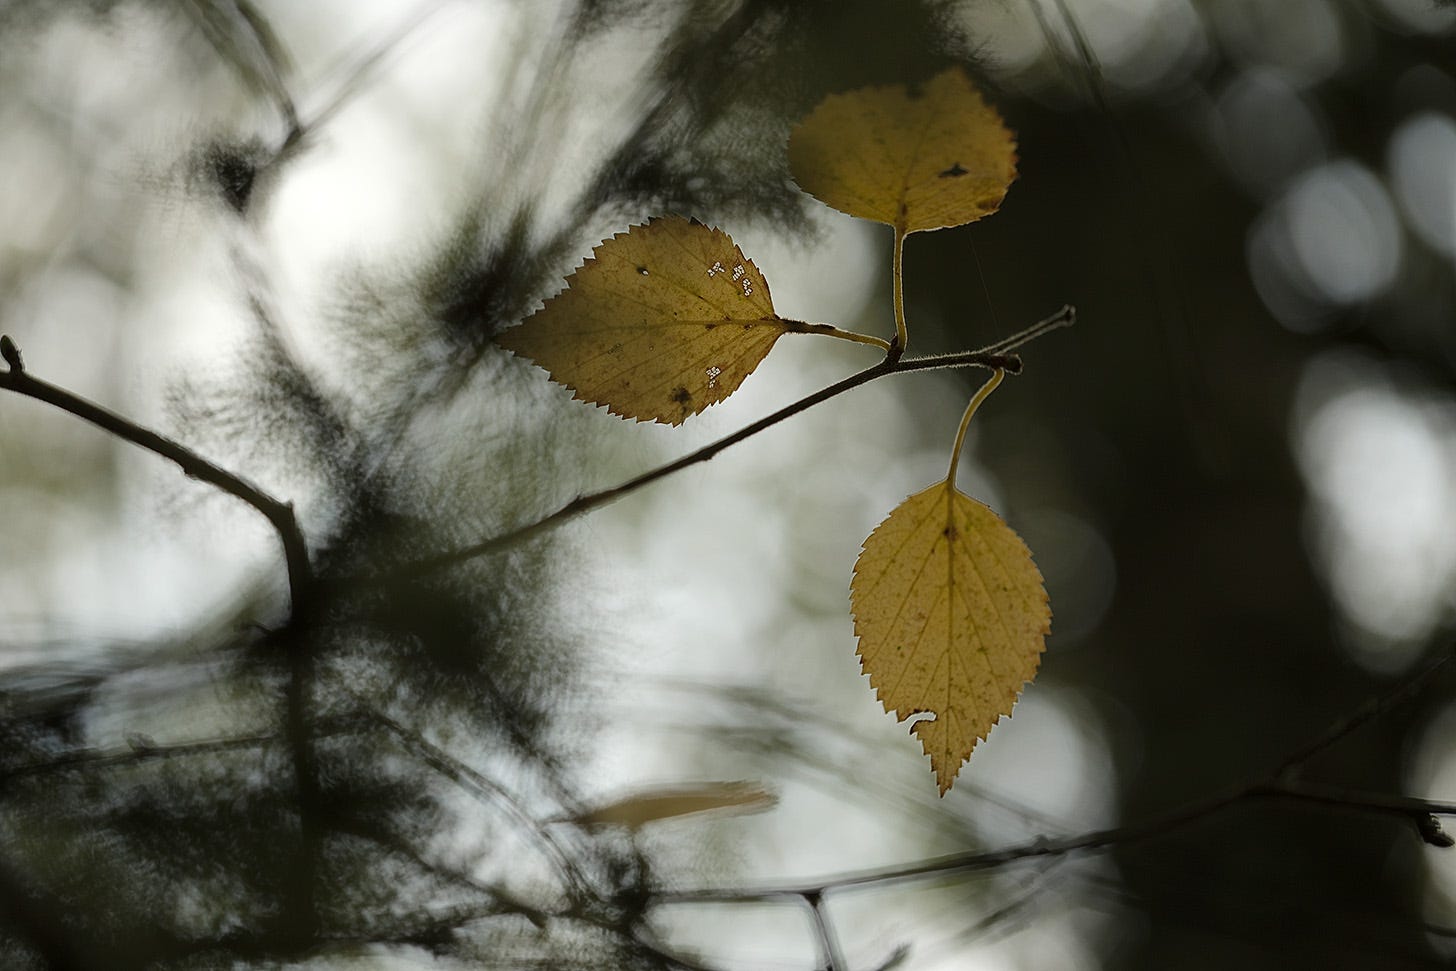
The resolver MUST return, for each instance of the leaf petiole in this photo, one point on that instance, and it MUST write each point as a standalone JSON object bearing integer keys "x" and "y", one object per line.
{"x": 985, "y": 392}
{"x": 829, "y": 330}
{"x": 897, "y": 273}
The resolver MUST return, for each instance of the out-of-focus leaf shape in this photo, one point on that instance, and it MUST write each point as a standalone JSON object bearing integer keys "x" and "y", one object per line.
{"x": 916, "y": 159}
{"x": 951, "y": 617}
{"x": 661, "y": 322}
{"x": 651, "y": 805}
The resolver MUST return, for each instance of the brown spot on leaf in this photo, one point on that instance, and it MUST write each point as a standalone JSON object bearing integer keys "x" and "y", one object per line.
{"x": 682, "y": 395}
{"x": 954, "y": 171}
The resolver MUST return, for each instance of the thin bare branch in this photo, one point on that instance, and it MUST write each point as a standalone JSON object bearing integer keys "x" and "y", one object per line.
{"x": 357, "y": 72}
{"x": 1371, "y": 709}
{"x": 1413, "y": 808}
{"x": 278, "y": 513}
{"x": 824, "y": 932}
{"x": 994, "y": 356}
{"x": 473, "y": 781}
{"x": 1271, "y": 785}
{"x": 138, "y": 753}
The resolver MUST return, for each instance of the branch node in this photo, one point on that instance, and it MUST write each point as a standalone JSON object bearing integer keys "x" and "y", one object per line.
{"x": 1429, "y": 828}
{"x": 11, "y": 354}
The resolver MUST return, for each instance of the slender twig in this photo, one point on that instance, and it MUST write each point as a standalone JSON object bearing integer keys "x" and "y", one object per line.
{"x": 140, "y": 751}
{"x": 969, "y": 862}
{"x": 998, "y": 918}
{"x": 473, "y": 781}
{"x": 502, "y": 901}
{"x": 359, "y": 70}
{"x": 278, "y": 513}
{"x": 138, "y": 754}
{"x": 239, "y": 33}
{"x": 833, "y": 960}
{"x": 994, "y": 356}
{"x": 1355, "y": 800}
{"x": 1188, "y": 814}
{"x": 1271, "y": 785}
{"x": 1373, "y": 708}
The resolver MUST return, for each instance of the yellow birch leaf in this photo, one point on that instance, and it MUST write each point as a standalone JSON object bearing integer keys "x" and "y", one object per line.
{"x": 651, "y": 805}
{"x": 951, "y": 617}
{"x": 661, "y": 322}
{"x": 915, "y": 159}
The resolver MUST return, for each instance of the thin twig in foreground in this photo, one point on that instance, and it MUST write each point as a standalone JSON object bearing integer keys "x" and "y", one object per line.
{"x": 278, "y": 513}
{"x": 993, "y": 356}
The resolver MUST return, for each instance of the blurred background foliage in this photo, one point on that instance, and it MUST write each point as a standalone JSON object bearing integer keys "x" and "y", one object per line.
{"x": 286, "y": 234}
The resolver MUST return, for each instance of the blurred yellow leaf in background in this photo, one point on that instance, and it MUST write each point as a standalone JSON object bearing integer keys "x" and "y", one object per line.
{"x": 651, "y": 805}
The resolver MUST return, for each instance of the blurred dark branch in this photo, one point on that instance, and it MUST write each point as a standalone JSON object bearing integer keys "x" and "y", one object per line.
{"x": 1009, "y": 917}
{"x": 1420, "y": 813}
{"x": 1196, "y": 907}
{"x": 770, "y": 722}
{"x": 475, "y": 782}
{"x": 139, "y": 753}
{"x": 36, "y": 917}
{"x": 997, "y": 355}
{"x": 1376, "y": 706}
{"x": 1001, "y": 918}
{"x": 279, "y": 514}
{"x": 824, "y": 933}
{"x": 242, "y": 36}
{"x": 1358, "y": 800}
{"x": 694, "y": 73}
{"x": 1272, "y": 785}
{"x": 501, "y": 902}
{"x": 300, "y": 586}
{"x": 363, "y": 65}
{"x": 1193, "y": 812}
